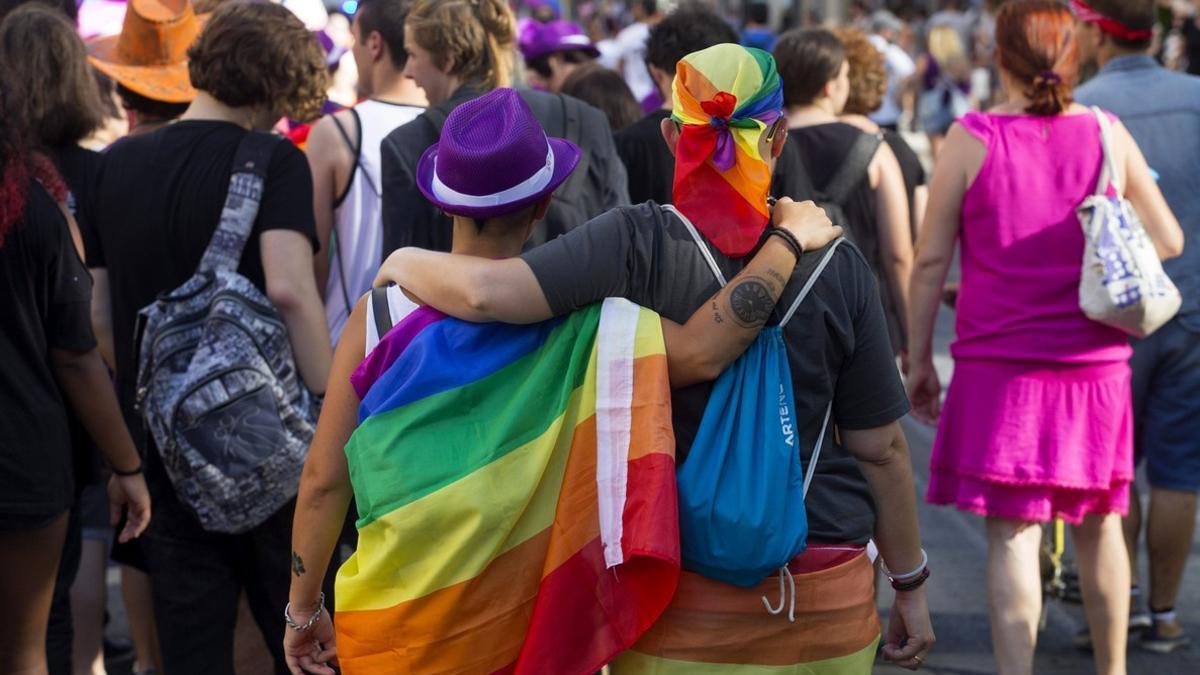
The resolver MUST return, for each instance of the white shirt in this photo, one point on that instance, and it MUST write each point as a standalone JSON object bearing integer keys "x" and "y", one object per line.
{"x": 631, "y": 46}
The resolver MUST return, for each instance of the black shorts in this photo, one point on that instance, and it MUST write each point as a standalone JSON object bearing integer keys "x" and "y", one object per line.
{"x": 20, "y": 522}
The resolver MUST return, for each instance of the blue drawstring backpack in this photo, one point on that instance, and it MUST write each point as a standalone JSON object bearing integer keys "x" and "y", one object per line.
{"x": 741, "y": 490}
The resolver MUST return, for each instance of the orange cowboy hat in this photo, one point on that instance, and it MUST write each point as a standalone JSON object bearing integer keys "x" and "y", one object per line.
{"x": 149, "y": 56}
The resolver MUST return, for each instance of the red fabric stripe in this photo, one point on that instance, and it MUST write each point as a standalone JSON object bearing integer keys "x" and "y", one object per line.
{"x": 560, "y": 638}
{"x": 718, "y": 210}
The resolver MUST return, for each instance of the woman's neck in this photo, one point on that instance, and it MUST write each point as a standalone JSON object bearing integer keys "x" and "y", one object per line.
{"x": 207, "y": 107}
{"x": 820, "y": 111}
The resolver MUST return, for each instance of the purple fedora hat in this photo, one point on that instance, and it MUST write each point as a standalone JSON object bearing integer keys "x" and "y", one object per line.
{"x": 493, "y": 158}
{"x": 539, "y": 39}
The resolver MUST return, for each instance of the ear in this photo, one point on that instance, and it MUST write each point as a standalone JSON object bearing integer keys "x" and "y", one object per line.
{"x": 827, "y": 90}
{"x": 542, "y": 207}
{"x": 375, "y": 46}
{"x": 670, "y": 133}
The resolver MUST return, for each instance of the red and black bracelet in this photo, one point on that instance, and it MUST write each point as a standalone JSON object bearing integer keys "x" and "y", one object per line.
{"x": 912, "y": 584}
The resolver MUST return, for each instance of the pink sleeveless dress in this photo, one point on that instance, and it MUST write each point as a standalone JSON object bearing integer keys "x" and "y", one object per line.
{"x": 1037, "y": 422}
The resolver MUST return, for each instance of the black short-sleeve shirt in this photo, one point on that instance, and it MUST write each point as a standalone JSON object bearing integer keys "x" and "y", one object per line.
{"x": 45, "y": 299}
{"x": 837, "y": 341}
{"x": 157, "y": 205}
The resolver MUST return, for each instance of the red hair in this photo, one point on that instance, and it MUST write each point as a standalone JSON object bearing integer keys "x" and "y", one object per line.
{"x": 1035, "y": 44}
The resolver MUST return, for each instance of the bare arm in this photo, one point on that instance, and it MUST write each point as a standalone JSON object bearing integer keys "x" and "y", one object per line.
{"x": 895, "y": 231}
{"x": 331, "y": 164}
{"x": 961, "y": 155}
{"x": 324, "y": 498}
{"x": 102, "y": 324}
{"x": 84, "y": 380}
{"x": 1143, "y": 192}
{"x": 882, "y": 455}
{"x": 287, "y": 260}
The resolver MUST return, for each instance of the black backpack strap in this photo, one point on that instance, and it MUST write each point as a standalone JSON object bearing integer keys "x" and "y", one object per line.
{"x": 356, "y": 151}
{"x": 379, "y": 307}
{"x": 250, "y": 163}
{"x": 850, "y": 173}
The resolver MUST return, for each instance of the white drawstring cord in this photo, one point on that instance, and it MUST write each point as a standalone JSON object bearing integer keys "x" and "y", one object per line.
{"x": 782, "y": 599}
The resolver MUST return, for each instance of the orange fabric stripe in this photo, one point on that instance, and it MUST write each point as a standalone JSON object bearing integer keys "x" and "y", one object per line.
{"x": 479, "y": 624}
{"x": 651, "y": 430}
{"x": 712, "y": 622}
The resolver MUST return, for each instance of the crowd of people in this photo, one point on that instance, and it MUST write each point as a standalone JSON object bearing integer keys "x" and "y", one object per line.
{"x": 356, "y": 377}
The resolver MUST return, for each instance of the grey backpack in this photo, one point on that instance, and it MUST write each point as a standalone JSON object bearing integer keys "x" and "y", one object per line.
{"x": 217, "y": 382}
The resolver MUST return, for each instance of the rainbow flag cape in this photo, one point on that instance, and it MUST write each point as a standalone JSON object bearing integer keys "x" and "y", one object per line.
{"x": 516, "y": 495}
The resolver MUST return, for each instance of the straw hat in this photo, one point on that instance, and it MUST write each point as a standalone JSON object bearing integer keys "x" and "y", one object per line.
{"x": 149, "y": 56}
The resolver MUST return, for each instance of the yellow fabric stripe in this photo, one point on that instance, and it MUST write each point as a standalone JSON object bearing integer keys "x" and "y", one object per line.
{"x": 635, "y": 663}
{"x": 427, "y": 545}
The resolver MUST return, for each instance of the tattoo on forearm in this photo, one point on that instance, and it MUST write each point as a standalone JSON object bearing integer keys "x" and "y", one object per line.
{"x": 778, "y": 277}
{"x": 717, "y": 313}
{"x": 751, "y": 302}
{"x": 297, "y": 564}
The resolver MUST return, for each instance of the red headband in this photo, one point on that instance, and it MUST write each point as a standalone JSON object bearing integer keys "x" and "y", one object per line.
{"x": 1085, "y": 13}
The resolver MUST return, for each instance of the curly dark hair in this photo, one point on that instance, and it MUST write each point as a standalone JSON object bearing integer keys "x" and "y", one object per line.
{"x": 685, "y": 30}
{"x": 260, "y": 54}
{"x": 44, "y": 64}
{"x": 868, "y": 74}
{"x": 604, "y": 89}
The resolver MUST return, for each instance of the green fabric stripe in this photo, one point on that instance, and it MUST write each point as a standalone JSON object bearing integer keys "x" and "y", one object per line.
{"x": 401, "y": 455}
{"x": 770, "y": 76}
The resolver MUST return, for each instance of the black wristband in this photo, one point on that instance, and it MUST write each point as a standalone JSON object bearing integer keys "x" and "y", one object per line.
{"x": 125, "y": 474}
{"x": 912, "y": 584}
{"x": 789, "y": 239}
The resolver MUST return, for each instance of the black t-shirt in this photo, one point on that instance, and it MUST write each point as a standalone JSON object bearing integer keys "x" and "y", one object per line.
{"x": 910, "y": 167}
{"x": 1191, "y": 45}
{"x": 80, "y": 169}
{"x": 648, "y": 161}
{"x": 159, "y": 201}
{"x": 45, "y": 299}
{"x": 822, "y": 148}
{"x": 837, "y": 341}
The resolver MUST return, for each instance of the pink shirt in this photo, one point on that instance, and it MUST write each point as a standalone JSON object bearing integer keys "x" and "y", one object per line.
{"x": 1022, "y": 245}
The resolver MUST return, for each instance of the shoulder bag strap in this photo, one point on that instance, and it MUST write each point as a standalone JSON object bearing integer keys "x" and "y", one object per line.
{"x": 850, "y": 173}
{"x": 804, "y": 291}
{"x": 355, "y": 148}
{"x": 250, "y": 163}
{"x": 708, "y": 256}
{"x": 380, "y": 308}
{"x": 1108, "y": 169}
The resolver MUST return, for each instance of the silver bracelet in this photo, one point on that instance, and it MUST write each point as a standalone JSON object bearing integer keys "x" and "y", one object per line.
{"x": 907, "y": 575}
{"x": 312, "y": 620}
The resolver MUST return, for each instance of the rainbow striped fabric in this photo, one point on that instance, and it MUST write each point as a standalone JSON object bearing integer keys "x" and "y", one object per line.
{"x": 516, "y": 495}
{"x": 715, "y": 628}
{"x": 724, "y": 97}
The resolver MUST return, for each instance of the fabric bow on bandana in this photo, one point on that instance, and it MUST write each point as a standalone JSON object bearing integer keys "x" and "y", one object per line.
{"x": 724, "y": 98}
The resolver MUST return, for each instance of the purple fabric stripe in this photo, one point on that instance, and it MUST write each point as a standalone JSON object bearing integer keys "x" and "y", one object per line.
{"x": 391, "y": 346}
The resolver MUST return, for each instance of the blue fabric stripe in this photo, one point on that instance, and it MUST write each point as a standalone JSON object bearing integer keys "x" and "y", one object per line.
{"x": 450, "y": 354}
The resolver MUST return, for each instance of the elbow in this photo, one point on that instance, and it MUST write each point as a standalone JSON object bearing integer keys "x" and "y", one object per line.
{"x": 284, "y": 294}
{"x": 1172, "y": 247}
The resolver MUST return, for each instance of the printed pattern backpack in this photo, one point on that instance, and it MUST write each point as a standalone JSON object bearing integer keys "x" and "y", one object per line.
{"x": 217, "y": 382}
{"x": 1122, "y": 283}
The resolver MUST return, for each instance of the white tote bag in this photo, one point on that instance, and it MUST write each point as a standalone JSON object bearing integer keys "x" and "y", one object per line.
{"x": 1123, "y": 284}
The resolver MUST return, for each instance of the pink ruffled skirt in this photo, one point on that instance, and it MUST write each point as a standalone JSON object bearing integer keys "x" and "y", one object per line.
{"x": 1035, "y": 441}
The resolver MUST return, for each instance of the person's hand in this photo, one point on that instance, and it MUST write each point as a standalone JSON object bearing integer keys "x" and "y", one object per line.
{"x": 910, "y": 632}
{"x": 806, "y": 221}
{"x": 924, "y": 390}
{"x": 128, "y": 494}
{"x": 310, "y": 652}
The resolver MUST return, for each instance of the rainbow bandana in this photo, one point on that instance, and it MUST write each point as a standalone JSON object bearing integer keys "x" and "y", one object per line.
{"x": 725, "y": 96}
{"x": 516, "y": 495}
